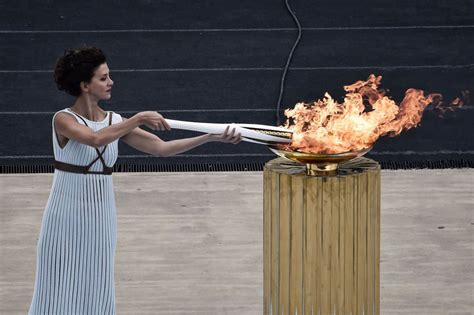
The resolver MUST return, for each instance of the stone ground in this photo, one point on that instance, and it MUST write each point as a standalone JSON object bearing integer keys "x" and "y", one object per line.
{"x": 191, "y": 243}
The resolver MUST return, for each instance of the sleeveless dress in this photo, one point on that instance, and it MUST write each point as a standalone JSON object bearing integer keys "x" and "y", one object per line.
{"x": 76, "y": 245}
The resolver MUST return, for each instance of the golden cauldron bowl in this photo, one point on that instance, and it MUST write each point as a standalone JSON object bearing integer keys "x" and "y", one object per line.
{"x": 317, "y": 164}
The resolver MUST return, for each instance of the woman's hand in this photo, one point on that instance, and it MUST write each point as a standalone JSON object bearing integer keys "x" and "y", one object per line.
{"x": 227, "y": 136}
{"x": 153, "y": 120}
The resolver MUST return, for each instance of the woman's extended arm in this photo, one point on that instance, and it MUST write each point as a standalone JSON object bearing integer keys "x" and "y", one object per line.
{"x": 149, "y": 143}
{"x": 67, "y": 125}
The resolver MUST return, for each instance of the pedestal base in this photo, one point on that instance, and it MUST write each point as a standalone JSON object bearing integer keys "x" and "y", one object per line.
{"x": 322, "y": 239}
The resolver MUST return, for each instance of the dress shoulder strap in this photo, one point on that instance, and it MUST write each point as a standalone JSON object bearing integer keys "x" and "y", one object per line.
{"x": 70, "y": 111}
{"x": 110, "y": 113}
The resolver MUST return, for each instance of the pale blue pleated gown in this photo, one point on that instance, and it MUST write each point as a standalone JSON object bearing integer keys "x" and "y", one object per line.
{"x": 76, "y": 245}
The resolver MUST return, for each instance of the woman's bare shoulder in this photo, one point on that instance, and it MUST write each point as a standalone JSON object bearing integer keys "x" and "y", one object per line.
{"x": 63, "y": 118}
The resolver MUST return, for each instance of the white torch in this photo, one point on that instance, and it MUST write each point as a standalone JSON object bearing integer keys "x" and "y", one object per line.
{"x": 261, "y": 134}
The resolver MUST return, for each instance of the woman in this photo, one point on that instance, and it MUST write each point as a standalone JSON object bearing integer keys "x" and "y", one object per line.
{"x": 76, "y": 246}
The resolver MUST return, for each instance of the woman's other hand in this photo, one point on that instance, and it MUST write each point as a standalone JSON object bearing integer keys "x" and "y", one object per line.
{"x": 227, "y": 136}
{"x": 153, "y": 120}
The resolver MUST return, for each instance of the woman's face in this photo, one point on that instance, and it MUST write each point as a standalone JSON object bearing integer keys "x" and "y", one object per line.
{"x": 101, "y": 84}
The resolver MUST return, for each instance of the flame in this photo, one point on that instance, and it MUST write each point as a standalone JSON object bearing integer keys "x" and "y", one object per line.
{"x": 327, "y": 127}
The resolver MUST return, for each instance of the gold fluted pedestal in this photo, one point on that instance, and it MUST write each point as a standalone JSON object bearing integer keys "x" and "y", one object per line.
{"x": 322, "y": 239}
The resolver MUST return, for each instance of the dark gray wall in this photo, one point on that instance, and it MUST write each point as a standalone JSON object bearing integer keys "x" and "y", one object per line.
{"x": 222, "y": 61}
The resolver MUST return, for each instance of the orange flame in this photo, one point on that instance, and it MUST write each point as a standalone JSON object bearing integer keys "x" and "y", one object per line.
{"x": 327, "y": 127}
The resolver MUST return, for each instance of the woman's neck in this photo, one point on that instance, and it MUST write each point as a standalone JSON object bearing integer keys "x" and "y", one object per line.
{"x": 88, "y": 108}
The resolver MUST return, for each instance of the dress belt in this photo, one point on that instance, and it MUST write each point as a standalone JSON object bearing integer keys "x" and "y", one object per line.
{"x": 79, "y": 169}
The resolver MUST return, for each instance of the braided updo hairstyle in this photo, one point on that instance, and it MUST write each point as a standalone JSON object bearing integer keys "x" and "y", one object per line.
{"x": 76, "y": 66}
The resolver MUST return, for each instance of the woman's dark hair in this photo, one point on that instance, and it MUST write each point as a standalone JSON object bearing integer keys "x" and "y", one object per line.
{"x": 76, "y": 66}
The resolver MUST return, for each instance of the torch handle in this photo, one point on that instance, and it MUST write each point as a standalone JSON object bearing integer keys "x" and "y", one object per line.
{"x": 197, "y": 126}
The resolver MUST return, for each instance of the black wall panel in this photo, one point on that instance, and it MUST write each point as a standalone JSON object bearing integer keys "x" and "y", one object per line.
{"x": 25, "y": 15}
{"x": 222, "y": 61}
{"x": 192, "y": 50}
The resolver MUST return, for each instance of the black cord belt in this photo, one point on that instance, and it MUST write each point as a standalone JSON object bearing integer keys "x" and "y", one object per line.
{"x": 79, "y": 169}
